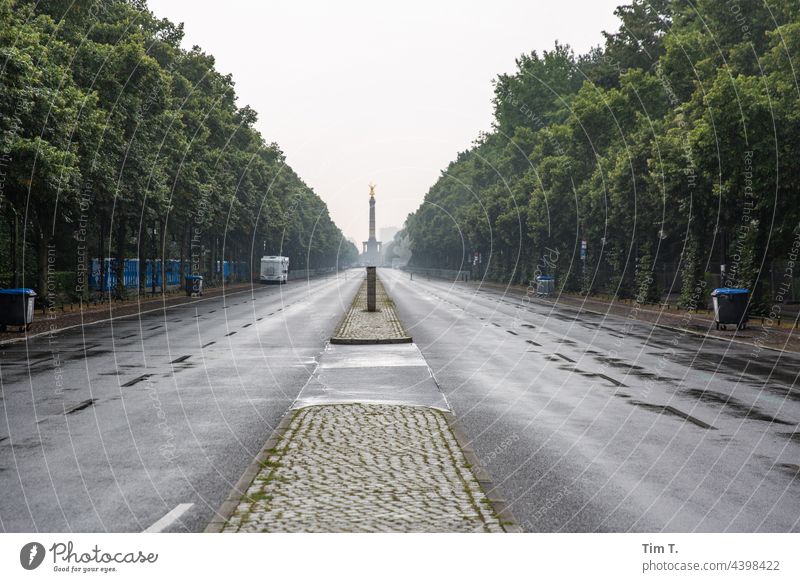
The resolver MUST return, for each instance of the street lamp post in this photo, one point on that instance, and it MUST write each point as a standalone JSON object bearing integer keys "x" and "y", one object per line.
{"x": 153, "y": 264}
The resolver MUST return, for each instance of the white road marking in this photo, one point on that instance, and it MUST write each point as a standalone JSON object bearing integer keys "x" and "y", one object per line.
{"x": 169, "y": 519}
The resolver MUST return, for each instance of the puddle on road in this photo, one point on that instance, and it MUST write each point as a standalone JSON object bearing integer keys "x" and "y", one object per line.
{"x": 611, "y": 380}
{"x": 792, "y": 469}
{"x": 558, "y": 358}
{"x": 734, "y": 407}
{"x": 618, "y": 363}
{"x": 30, "y": 443}
{"x": 136, "y": 380}
{"x": 81, "y": 406}
{"x": 635, "y": 370}
{"x": 781, "y": 369}
{"x": 586, "y": 374}
{"x": 81, "y": 355}
{"x": 563, "y": 317}
{"x": 671, "y": 411}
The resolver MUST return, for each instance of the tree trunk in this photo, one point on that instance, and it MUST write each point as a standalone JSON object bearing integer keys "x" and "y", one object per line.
{"x": 13, "y": 223}
{"x": 44, "y": 240}
{"x": 182, "y": 272}
{"x": 212, "y": 248}
{"x": 141, "y": 253}
{"x": 102, "y": 254}
{"x": 163, "y": 230}
{"x": 212, "y": 259}
{"x": 119, "y": 289}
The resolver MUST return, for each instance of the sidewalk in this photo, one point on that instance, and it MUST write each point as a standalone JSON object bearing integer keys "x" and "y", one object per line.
{"x": 91, "y": 312}
{"x": 370, "y": 445}
{"x": 760, "y": 332}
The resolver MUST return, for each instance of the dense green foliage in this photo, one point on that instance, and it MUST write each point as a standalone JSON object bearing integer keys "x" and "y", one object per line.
{"x": 116, "y": 142}
{"x": 671, "y": 150}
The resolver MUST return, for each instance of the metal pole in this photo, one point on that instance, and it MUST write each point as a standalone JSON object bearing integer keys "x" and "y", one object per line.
{"x": 371, "y": 277}
{"x": 153, "y": 266}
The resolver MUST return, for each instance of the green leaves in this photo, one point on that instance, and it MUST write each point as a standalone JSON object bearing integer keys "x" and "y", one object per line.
{"x": 670, "y": 150}
{"x": 109, "y": 122}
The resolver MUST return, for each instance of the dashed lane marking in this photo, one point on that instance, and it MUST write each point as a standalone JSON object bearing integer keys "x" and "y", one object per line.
{"x": 166, "y": 521}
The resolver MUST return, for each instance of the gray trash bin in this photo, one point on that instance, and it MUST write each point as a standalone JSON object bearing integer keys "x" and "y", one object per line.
{"x": 545, "y": 286}
{"x": 730, "y": 307}
{"x": 16, "y": 307}
{"x": 194, "y": 285}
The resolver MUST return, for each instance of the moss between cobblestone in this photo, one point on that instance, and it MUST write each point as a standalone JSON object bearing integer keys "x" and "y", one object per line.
{"x": 334, "y": 487}
{"x": 466, "y": 485}
{"x": 260, "y": 496}
{"x": 359, "y": 326}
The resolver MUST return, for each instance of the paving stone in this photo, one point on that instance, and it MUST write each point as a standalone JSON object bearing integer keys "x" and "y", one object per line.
{"x": 362, "y": 468}
{"x": 360, "y": 324}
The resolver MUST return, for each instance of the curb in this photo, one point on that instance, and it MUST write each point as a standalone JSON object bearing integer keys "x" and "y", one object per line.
{"x": 581, "y": 309}
{"x": 681, "y": 330}
{"x": 500, "y": 506}
{"x": 361, "y": 341}
{"x": 230, "y": 504}
{"x": 368, "y": 342}
{"x": 24, "y": 338}
{"x": 27, "y": 337}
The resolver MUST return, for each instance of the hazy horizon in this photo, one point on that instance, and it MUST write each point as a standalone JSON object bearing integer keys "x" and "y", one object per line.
{"x": 357, "y": 93}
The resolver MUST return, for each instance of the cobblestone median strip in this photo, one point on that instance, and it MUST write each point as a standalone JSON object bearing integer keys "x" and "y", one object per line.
{"x": 359, "y": 326}
{"x": 366, "y": 468}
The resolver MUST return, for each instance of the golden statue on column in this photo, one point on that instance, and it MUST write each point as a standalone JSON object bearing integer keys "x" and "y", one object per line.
{"x": 371, "y": 256}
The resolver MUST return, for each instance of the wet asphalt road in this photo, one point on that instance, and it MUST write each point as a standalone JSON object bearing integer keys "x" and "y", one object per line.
{"x": 112, "y": 426}
{"x": 593, "y": 423}
{"x": 585, "y": 423}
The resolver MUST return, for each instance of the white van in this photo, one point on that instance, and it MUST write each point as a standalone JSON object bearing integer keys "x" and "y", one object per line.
{"x": 274, "y": 269}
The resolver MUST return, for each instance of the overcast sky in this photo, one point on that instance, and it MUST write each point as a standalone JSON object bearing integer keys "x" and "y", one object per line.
{"x": 359, "y": 92}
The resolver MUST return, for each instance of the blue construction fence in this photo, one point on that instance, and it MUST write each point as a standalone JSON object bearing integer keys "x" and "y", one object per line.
{"x": 228, "y": 269}
{"x": 234, "y": 270}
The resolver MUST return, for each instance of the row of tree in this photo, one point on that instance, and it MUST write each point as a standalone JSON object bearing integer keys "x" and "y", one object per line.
{"x": 660, "y": 163}
{"x": 116, "y": 142}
